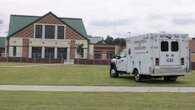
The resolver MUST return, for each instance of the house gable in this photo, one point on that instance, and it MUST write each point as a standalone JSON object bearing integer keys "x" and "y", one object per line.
{"x": 49, "y": 18}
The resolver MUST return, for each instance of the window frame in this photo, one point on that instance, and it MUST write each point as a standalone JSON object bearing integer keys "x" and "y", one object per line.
{"x": 44, "y": 29}
{"x": 173, "y": 49}
{"x": 53, "y": 37}
{"x": 97, "y": 55}
{"x": 39, "y": 56}
{"x": 14, "y": 51}
{"x": 35, "y": 31}
{"x": 163, "y": 49}
{"x": 57, "y": 33}
{"x": 65, "y": 55}
{"x": 48, "y": 53}
{"x": 129, "y": 51}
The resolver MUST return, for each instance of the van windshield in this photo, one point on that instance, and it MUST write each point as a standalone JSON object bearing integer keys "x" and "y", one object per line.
{"x": 174, "y": 46}
{"x": 164, "y": 46}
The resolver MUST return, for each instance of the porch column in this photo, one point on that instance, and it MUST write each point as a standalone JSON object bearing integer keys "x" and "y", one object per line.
{"x": 68, "y": 54}
{"x": 56, "y": 32}
{"x": 85, "y": 53}
{"x": 30, "y": 52}
{"x": 43, "y": 32}
{"x": 43, "y": 52}
{"x": 55, "y": 53}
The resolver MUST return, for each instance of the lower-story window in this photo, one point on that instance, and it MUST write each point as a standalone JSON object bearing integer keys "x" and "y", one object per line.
{"x": 36, "y": 52}
{"x": 62, "y": 53}
{"x": 14, "y": 51}
{"x": 49, "y": 53}
{"x": 98, "y": 55}
{"x": 110, "y": 55}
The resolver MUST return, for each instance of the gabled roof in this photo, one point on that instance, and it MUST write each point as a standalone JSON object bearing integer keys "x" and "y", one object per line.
{"x": 18, "y": 22}
{"x": 2, "y": 42}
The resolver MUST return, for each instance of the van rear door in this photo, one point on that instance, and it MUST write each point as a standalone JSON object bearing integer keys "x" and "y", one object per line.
{"x": 169, "y": 53}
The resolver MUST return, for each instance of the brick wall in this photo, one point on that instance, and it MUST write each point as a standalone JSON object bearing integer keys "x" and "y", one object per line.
{"x": 70, "y": 34}
{"x": 29, "y": 60}
{"x": 72, "y": 49}
{"x": 25, "y": 48}
{"x": 91, "y": 62}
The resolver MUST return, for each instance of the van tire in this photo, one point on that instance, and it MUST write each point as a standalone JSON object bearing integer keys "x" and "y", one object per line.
{"x": 113, "y": 72}
{"x": 170, "y": 78}
{"x": 137, "y": 76}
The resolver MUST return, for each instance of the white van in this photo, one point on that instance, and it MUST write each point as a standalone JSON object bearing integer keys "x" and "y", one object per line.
{"x": 154, "y": 56}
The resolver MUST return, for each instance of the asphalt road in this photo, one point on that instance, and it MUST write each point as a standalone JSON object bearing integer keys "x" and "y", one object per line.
{"x": 98, "y": 89}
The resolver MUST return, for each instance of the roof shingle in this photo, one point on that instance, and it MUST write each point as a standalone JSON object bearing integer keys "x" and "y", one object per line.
{"x": 2, "y": 42}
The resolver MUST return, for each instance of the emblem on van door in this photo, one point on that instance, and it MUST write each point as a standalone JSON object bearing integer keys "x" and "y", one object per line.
{"x": 170, "y": 60}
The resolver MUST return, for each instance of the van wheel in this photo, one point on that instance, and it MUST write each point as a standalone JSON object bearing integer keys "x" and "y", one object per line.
{"x": 137, "y": 76}
{"x": 170, "y": 78}
{"x": 113, "y": 73}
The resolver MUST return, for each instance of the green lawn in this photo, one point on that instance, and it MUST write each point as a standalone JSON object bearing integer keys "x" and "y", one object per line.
{"x": 73, "y": 75}
{"x": 95, "y": 101}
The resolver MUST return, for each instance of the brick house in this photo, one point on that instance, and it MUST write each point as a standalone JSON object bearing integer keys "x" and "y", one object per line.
{"x": 47, "y": 37}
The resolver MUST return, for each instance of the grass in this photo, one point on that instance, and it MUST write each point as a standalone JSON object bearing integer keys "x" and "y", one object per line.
{"x": 95, "y": 101}
{"x": 84, "y": 75}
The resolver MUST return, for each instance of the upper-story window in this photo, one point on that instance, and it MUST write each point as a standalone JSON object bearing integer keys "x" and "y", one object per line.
{"x": 38, "y": 31}
{"x": 49, "y": 32}
{"x": 60, "y": 32}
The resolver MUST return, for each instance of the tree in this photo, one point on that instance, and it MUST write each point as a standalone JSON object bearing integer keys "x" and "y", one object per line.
{"x": 111, "y": 41}
{"x": 80, "y": 50}
{"x": 120, "y": 42}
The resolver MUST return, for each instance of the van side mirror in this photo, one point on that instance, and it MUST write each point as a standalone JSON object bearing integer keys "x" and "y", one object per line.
{"x": 118, "y": 57}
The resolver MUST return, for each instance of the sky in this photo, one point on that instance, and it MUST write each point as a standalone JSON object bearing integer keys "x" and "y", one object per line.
{"x": 111, "y": 17}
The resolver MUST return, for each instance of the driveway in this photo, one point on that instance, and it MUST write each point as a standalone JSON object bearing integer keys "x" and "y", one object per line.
{"x": 97, "y": 89}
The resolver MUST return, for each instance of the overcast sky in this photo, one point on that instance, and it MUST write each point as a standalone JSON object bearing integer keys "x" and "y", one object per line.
{"x": 111, "y": 17}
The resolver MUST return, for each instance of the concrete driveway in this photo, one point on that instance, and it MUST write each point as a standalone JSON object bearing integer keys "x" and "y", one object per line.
{"x": 98, "y": 89}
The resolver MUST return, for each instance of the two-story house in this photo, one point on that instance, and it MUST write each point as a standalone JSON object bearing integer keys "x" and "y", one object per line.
{"x": 47, "y": 37}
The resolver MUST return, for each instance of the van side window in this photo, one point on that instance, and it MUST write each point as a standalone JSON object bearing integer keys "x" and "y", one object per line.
{"x": 174, "y": 46}
{"x": 129, "y": 51}
{"x": 164, "y": 46}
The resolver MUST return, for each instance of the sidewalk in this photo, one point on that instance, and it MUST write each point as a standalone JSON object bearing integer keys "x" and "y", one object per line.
{"x": 97, "y": 89}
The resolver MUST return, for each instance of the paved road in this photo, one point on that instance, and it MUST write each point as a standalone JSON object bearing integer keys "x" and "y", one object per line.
{"x": 98, "y": 89}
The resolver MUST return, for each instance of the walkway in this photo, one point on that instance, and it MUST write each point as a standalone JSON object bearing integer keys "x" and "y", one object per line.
{"x": 98, "y": 89}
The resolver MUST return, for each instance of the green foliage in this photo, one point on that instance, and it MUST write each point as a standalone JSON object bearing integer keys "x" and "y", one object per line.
{"x": 80, "y": 50}
{"x": 111, "y": 41}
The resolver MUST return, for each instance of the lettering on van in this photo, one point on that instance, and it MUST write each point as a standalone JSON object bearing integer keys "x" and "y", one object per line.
{"x": 169, "y": 60}
{"x": 140, "y": 47}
